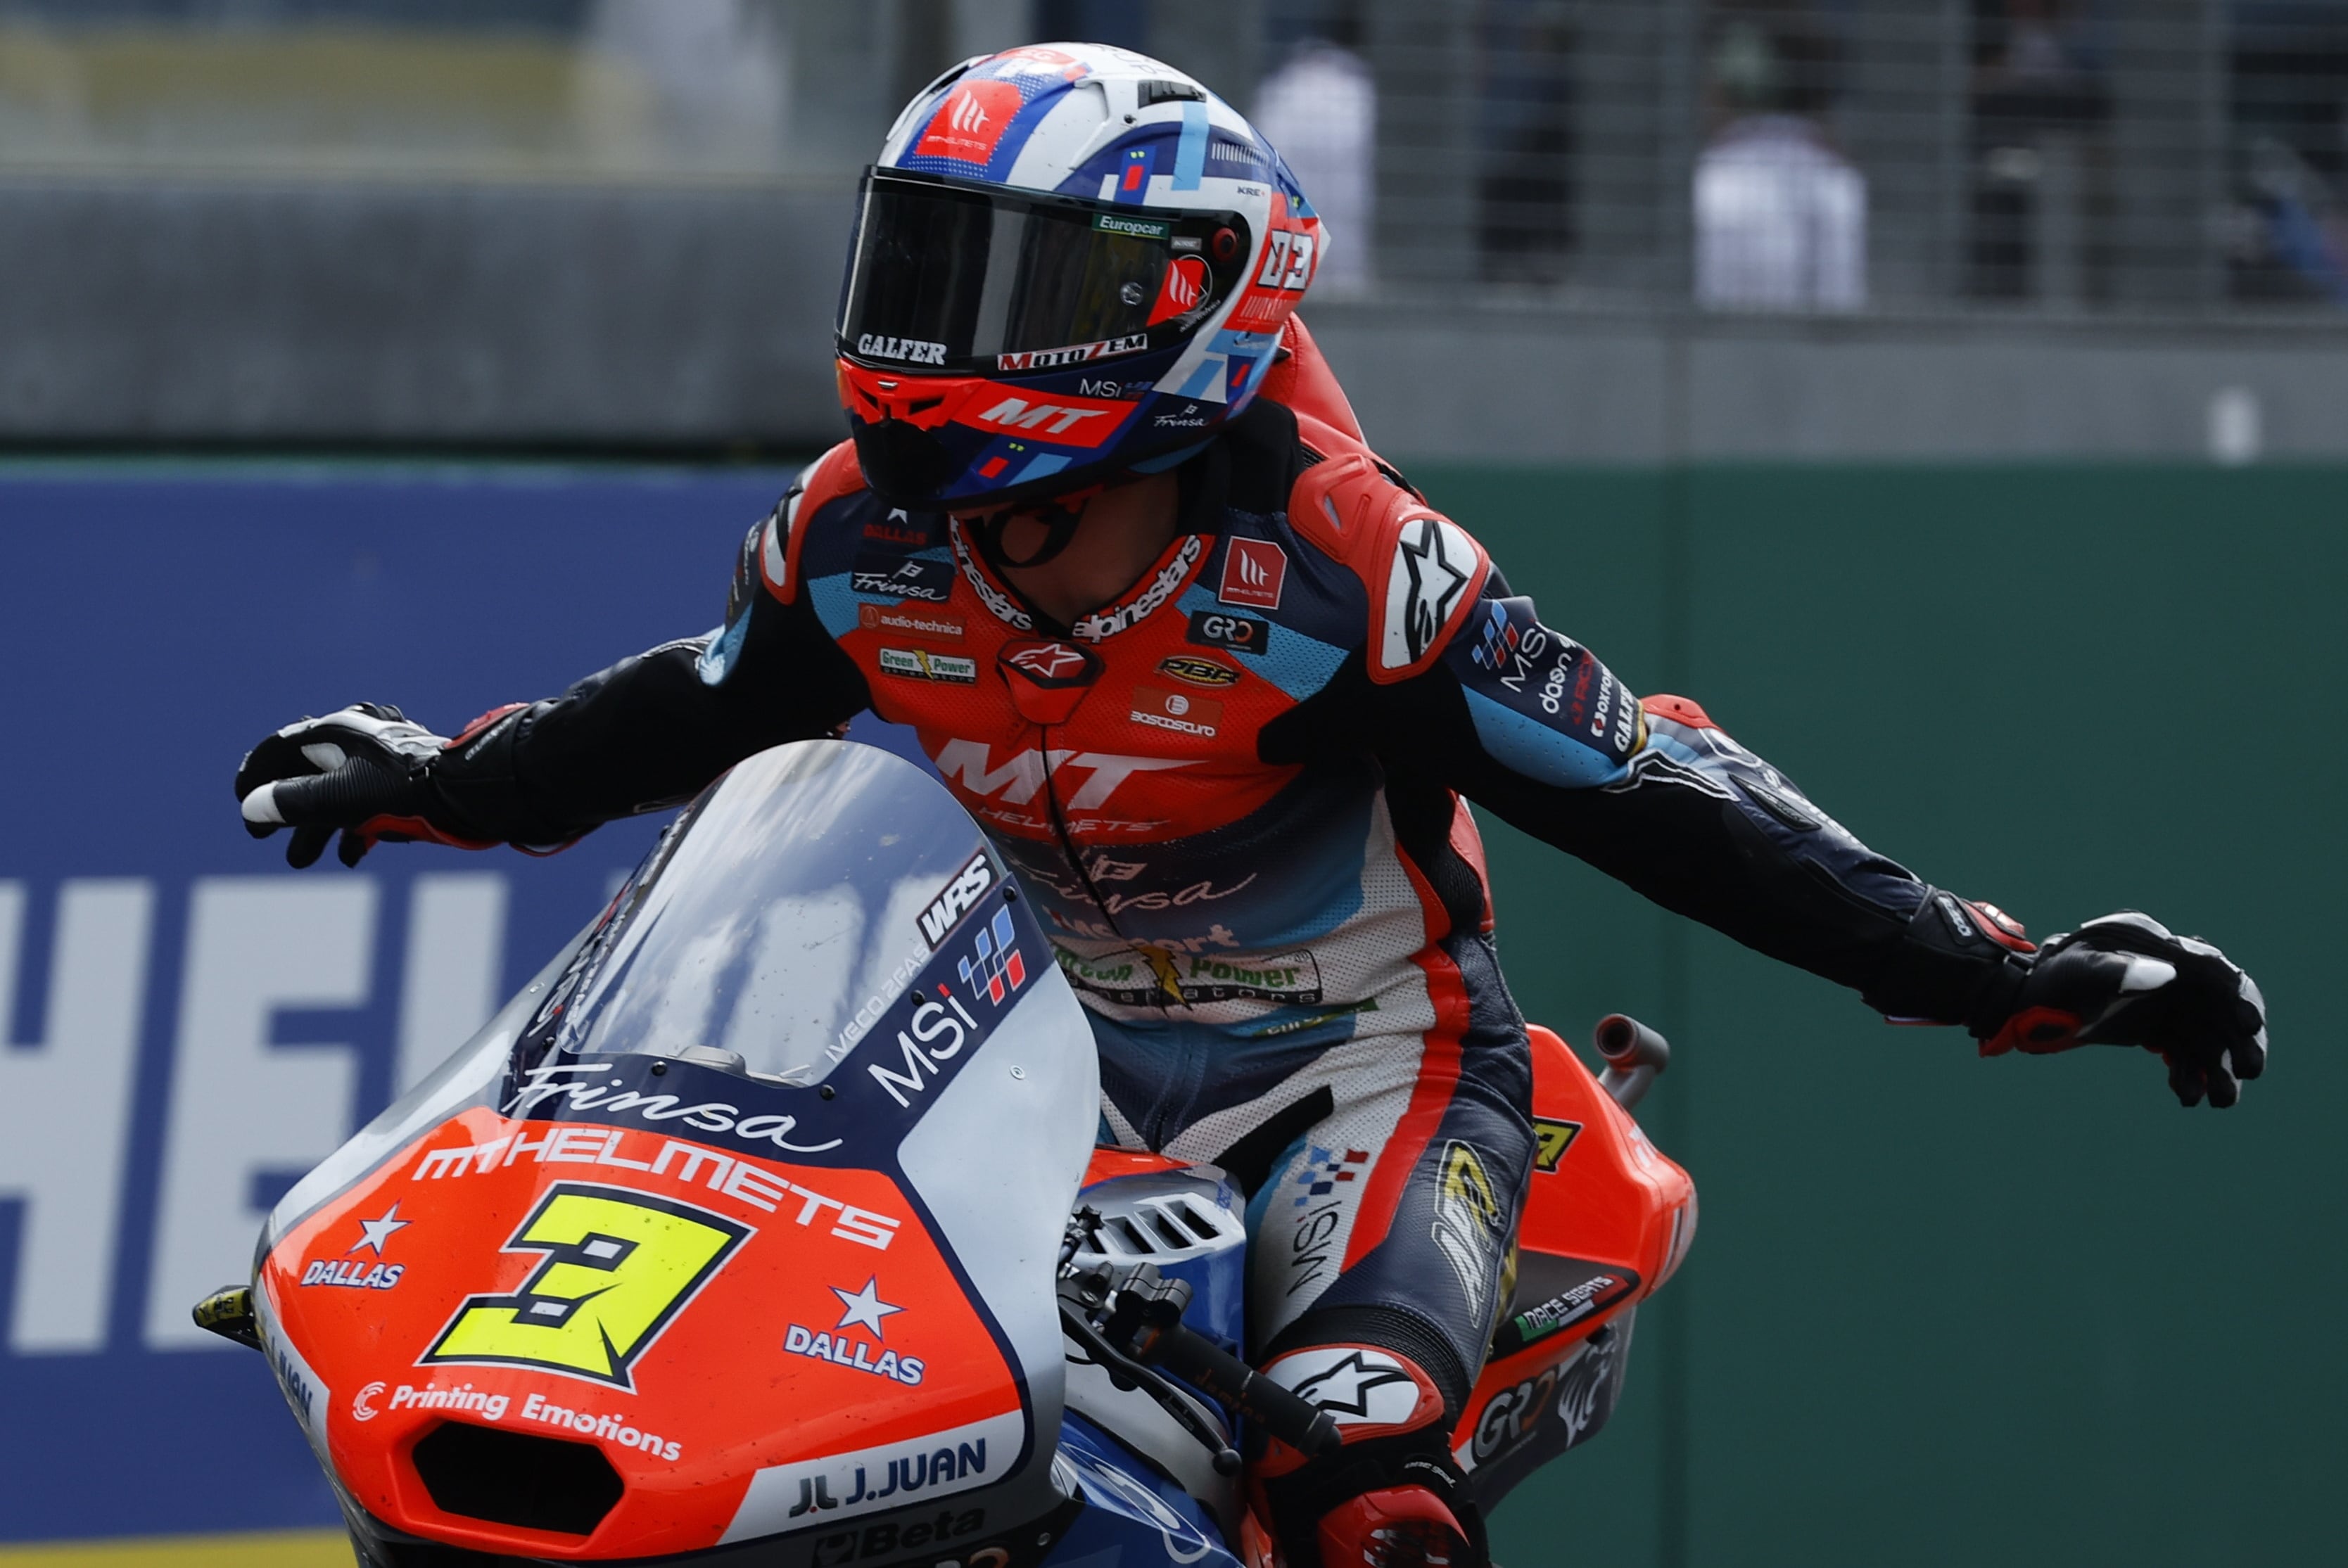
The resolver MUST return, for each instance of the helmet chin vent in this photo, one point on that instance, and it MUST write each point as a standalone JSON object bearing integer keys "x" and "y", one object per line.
{"x": 514, "y": 1478}
{"x": 903, "y": 464}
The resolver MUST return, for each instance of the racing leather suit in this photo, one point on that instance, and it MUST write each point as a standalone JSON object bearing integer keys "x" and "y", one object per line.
{"x": 1235, "y": 796}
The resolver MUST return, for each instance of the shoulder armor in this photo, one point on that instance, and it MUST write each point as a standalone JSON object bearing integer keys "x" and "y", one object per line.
{"x": 822, "y": 482}
{"x": 1421, "y": 570}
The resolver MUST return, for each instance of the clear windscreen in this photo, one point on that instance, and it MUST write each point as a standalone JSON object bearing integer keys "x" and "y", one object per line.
{"x": 779, "y": 918}
{"x": 946, "y": 274}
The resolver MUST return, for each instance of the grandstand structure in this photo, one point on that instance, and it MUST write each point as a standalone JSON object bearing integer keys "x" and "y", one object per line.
{"x": 1572, "y": 230}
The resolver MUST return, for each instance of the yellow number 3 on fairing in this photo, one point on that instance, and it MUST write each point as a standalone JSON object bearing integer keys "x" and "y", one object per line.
{"x": 619, "y": 1265}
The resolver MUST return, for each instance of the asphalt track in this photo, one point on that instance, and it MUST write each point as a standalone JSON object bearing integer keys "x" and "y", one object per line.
{"x": 275, "y": 1549}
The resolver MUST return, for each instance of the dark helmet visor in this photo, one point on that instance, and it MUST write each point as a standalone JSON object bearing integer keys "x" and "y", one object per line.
{"x": 951, "y": 275}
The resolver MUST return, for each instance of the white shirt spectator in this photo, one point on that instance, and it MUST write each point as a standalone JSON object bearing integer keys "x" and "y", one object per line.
{"x": 1321, "y": 111}
{"x": 1780, "y": 220}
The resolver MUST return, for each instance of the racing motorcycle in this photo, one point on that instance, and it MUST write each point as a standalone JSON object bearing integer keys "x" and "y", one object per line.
{"x": 766, "y": 1226}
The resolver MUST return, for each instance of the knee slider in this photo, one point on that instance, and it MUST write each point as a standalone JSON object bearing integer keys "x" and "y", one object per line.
{"x": 1392, "y": 1488}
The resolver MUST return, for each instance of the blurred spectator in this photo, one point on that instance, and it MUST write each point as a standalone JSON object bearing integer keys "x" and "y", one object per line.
{"x": 700, "y": 84}
{"x": 1780, "y": 212}
{"x": 2041, "y": 108}
{"x": 2286, "y": 233}
{"x": 1320, "y": 110}
{"x": 1526, "y": 113}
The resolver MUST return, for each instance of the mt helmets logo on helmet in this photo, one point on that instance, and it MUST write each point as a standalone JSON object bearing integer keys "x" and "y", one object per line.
{"x": 969, "y": 124}
{"x": 1185, "y": 286}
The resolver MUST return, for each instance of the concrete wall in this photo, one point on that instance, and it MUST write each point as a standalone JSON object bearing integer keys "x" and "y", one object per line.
{"x": 599, "y": 316}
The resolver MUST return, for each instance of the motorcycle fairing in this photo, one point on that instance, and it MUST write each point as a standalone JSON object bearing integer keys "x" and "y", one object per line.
{"x": 1607, "y": 1220}
{"x": 1126, "y": 1501}
{"x": 798, "y": 1227}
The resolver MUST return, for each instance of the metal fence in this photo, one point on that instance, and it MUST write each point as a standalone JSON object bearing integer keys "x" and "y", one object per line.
{"x": 2081, "y": 157}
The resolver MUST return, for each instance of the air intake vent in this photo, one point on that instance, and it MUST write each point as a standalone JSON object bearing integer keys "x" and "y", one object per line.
{"x": 1162, "y": 1226}
{"x": 511, "y": 1478}
{"x": 1159, "y": 91}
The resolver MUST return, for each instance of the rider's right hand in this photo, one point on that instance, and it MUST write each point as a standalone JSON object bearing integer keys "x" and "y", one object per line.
{"x": 363, "y": 772}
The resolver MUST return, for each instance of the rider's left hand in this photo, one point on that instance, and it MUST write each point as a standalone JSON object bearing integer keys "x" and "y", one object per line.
{"x": 2127, "y": 980}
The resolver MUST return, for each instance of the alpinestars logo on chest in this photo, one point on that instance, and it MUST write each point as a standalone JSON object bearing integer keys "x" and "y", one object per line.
{"x": 1103, "y": 625}
{"x": 1433, "y": 562}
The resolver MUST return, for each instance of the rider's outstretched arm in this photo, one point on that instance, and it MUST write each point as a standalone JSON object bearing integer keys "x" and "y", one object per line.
{"x": 1531, "y": 725}
{"x": 646, "y": 732}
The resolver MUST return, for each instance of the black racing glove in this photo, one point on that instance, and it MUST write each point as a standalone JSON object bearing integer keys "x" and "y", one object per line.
{"x": 2127, "y": 980}
{"x": 365, "y": 772}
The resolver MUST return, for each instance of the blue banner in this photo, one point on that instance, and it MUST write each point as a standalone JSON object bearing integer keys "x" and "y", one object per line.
{"x": 190, "y": 1025}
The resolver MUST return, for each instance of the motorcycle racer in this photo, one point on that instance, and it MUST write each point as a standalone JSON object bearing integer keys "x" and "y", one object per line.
{"x": 1219, "y": 683}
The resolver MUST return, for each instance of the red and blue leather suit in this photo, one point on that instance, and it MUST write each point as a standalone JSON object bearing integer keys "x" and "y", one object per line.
{"x": 1237, "y": 796}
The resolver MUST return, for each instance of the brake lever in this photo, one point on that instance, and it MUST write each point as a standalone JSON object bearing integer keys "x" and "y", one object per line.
{"x": 1084, "y": 1294}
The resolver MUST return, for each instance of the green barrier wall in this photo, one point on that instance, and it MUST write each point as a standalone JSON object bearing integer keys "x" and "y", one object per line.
{"x": 1942, "y": 1310}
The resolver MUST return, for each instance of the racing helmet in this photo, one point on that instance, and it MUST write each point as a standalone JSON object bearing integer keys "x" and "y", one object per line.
{"x": 1071, "y": 262}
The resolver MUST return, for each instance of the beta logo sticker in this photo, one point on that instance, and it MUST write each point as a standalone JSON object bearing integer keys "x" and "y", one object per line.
{"x": 619, "y": 1267}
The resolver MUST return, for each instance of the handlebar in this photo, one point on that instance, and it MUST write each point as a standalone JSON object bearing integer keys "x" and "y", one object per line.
{"x": 1635, "y": 1055}
{"x": 1132, "y": 1325}
{"x": 1203, "y": 1364}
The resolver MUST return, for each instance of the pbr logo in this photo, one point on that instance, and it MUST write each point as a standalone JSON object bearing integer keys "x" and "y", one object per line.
{"x": 996, "y": 967}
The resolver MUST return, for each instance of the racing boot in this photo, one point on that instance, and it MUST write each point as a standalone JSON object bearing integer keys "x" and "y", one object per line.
{"x": 1394, "y": 1527}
